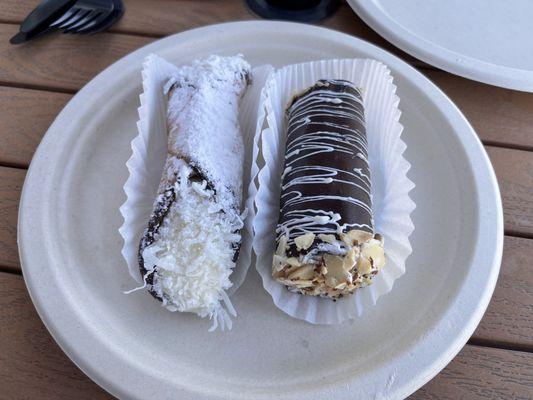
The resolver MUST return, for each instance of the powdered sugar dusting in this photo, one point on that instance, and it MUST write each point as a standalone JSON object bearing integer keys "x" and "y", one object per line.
{"x": 188, "y": 250}
{"x": 203, "y": 107}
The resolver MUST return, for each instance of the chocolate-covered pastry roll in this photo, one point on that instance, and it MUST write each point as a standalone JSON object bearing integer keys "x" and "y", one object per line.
{"x": 326, "y": 244}
{"x": 191, "y": 243}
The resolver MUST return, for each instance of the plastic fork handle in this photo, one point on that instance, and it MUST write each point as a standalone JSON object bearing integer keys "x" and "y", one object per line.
{"x": 42, "y": 15}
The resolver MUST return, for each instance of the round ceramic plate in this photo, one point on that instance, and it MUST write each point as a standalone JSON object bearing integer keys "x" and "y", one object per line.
{"x": 135, "y": 349}
{"x": 485, "y": 40}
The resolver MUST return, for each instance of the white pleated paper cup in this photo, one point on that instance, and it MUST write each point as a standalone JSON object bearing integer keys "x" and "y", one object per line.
{"x": 391, "y": 205}
{"x": 149, "y": 150}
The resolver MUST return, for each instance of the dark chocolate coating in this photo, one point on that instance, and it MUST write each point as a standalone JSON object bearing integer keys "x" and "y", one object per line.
{"x": 149, "y": 236}
{"x": 327, "y": 119}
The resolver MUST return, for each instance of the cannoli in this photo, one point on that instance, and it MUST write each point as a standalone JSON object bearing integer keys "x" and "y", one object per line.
{"x": 191, "y": 244}
{"x": 325, "y": 240}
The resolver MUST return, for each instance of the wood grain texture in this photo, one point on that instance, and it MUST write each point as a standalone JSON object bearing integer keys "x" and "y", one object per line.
{"x": 27, "y": 114}
{"x": 514, "y": 170}
{"x": 499, "y": 116}
{"x": 32, "y": 366}
{"x": 159, "y": 18}
{"x": 63, "y": 62}
{"x": 480, "y": 373}
{"x": 11, "y": 181}
{"x": 164, "y": 17}
{"x": 509, "y": 318}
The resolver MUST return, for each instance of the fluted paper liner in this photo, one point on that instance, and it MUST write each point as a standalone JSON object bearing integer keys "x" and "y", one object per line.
{"x": 149, "y": 149}
{"x": 391, "y": 206}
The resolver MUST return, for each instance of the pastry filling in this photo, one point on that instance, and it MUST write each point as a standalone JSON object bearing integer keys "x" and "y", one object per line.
{"x": 329, "y": 265}
{"x": 193, "y": 252}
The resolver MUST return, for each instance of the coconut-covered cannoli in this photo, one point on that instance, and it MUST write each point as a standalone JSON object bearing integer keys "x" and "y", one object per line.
{"x": 326, "y": 244}
{"x": 191, "y": 243}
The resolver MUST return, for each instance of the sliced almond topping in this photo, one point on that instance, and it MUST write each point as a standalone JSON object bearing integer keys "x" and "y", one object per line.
{"x": 374, "y": 251}
{"x": 356, "y": 236}
{"x": 327, "y": 238}
{"x": 303, "y": 273}
{"x": 305, "y": 241}
{"x": 277, "y": 274}
{"x": 331, "y": 281}
{"x": 297, "y": 283}
{"x": 282, "y": 246}
{"x": 293, "y": 261}
{"x": 335, "y": 270}
{"x": 363, "y": 266}
{"x": 301, "y": 284}
{"x": 278, "y": 262}
{"x": 349, "y": 258}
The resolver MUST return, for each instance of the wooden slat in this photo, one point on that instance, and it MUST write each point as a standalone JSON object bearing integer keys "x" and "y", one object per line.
{"x": 480, "y": 373}
{"x": 11, "y": 181}
{"x": 514, "y": 170}
{"x": 500, "y": 116}
{"x": 64, "y": 62}
{"x": 32, "y": 366}
{"x": 27, "y": 114}
{"x": 509, "y": 317}
{"x": 162, "y": 17}
{"x": 67, "y": 62}
{"x": 158, "y": 18}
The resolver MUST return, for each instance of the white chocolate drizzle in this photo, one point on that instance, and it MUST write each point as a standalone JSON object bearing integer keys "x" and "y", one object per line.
{"x": 323, "y": 113}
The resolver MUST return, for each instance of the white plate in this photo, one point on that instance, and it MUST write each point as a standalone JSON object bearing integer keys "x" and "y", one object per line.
{"x": 486, "y": 40}
{"x": 70, "y": 249}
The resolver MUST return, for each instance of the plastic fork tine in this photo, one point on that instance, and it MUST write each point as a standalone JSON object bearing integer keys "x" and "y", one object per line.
{"x": 84, "y": 21}
{"x": 79, "y": 16}
{"x": 93, "y": 23}
{"x": 118, "y": 11}
{"x": 69, "y": 14}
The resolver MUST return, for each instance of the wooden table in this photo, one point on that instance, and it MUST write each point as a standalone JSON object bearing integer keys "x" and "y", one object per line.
{"x": 38, "y": 79}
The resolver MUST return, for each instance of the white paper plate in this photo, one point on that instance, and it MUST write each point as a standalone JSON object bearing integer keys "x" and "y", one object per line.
{"x": 486, "y": 40}
{"x": 131, "y": 346}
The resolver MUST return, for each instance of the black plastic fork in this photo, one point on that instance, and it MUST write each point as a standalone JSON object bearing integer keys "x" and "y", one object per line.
{"x": 69, "y": 16}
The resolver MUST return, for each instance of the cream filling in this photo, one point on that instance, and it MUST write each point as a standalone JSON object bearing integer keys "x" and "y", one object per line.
{"x": 193, "y": 253}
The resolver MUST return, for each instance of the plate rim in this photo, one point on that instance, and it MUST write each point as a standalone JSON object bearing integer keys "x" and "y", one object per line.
{"x": 438, "y": 56}
{"x": 465, "y": 134}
